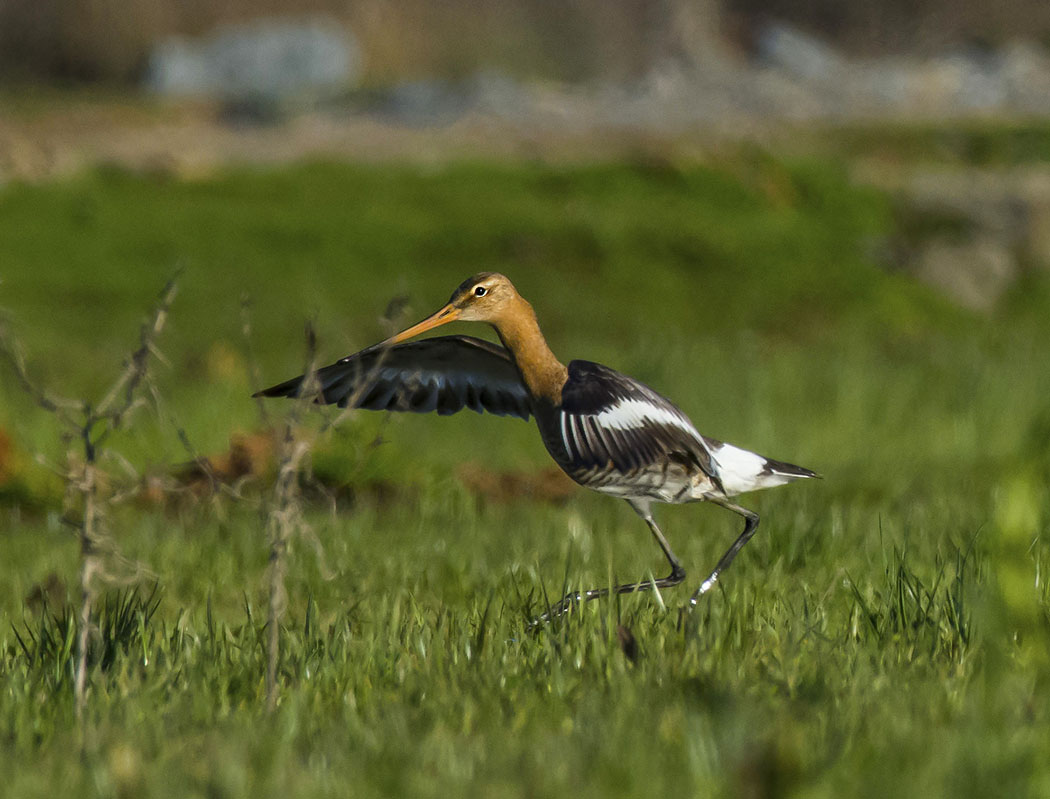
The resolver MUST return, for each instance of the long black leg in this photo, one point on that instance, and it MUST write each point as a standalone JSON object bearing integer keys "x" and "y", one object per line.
{"x": 750, "y": 525}
{"x": 676, "y": 576}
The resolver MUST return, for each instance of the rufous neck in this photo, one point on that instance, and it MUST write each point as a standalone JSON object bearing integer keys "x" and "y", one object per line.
{"x": 543, "y": 373}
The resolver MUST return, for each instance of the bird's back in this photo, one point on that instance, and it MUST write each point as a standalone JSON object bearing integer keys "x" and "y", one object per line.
{"x": 614, "y": 434}
{"x": 617, "y": 435}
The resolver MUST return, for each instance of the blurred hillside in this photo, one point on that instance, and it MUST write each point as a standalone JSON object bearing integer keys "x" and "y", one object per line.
{"x": 110, "y": 40}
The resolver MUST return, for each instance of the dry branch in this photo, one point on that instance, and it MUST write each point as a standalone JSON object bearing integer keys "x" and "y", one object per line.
{"x": 285, "y": 513}
{"x": 285, "y": 516}
{"x": 91, "y": 425}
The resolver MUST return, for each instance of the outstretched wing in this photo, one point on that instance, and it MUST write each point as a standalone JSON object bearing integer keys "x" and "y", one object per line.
{"x": 443, "y": 374}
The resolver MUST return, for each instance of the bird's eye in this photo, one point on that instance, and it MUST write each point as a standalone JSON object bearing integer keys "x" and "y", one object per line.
{"x": 480, "y": 291}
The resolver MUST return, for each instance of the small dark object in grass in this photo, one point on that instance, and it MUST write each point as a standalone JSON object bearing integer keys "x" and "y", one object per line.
{"x": 51, "y": 592}
{"x": 628, "y": 643}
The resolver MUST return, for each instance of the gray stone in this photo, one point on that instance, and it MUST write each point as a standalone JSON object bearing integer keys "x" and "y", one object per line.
{"x": 799, "y": 54}
{"x": 1004, "y": 204}
{"x": 494, "y": 92}
{"x": 1026, "y": 72}
{"x": 973, "y": 232}
{"x": 974, "y": 273}
{"x": 978, "y": 81}
{"x": 424, "y": 102}
{"x": 177, "y": 66}
{"x": 267, "y": 59}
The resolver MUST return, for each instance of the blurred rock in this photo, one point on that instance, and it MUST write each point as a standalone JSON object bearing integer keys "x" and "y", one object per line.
{"x": 424, "y": 102}
{"x": 931, "y": 85}
{"x": 970, "y": 232}
{"x": 1026, "y": 72}
{"x": 420, "y": 103}
{"x": 974, "y": 273}
{"x": 178, "y": 66}
{"x": 976, "y": 80}
{"x": 1011, "y": 206}
{"x": 960, "y": 82}
{"x": 797, "y": 53}
{"x": 266, "y": 59}
{"x": 494, "y": 92}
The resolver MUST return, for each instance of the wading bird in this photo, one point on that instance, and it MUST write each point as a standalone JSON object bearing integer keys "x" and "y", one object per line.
{"x": 607, "y": 431}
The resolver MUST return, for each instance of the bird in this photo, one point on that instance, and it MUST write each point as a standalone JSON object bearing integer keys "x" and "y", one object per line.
{"x": 605, "y": 430}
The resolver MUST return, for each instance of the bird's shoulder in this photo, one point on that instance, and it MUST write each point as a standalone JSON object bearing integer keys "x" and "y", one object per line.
{"x": 592, "y": 388}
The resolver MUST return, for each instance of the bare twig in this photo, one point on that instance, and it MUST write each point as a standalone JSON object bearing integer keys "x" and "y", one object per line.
{"x": 285, "y": 513}
{"x": 285, "y": 516}
{"x": 91, "y": 425}
{"x": 60, "y": 406}
{"x": 112, "y": 408}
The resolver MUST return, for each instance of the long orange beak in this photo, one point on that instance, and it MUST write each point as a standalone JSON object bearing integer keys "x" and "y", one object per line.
{"x": 449, "y": 313}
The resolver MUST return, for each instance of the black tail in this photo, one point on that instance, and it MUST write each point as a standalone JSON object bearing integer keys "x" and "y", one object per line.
{"x": 788, "y": 469}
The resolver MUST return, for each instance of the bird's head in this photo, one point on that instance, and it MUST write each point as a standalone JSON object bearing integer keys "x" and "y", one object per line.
{"x": 486, "y": 297}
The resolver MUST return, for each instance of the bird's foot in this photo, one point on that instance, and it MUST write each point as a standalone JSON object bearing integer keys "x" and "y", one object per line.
{"x": 566, "y": 604}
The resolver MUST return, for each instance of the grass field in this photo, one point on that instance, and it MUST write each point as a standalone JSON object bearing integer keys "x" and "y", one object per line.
{"x": 887, "y": 632}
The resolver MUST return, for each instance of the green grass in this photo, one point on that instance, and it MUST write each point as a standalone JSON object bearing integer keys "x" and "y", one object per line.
{"x": 981, "y": 143}
{"x": 885, "y": 633}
